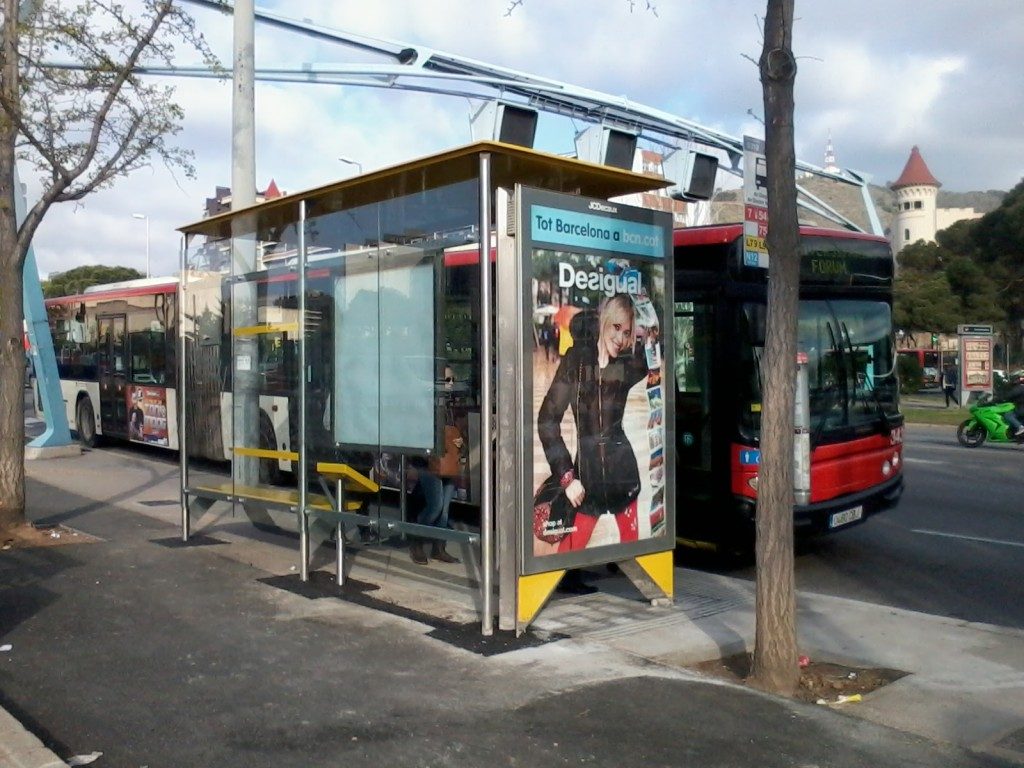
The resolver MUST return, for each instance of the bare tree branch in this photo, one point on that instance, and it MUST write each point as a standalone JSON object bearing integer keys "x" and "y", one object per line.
{"x": 79, "y": 129}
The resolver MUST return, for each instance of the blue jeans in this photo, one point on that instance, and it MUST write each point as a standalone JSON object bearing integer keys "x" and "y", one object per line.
{"x": 438, "y": 494}
{"x": 1011, "y": 418}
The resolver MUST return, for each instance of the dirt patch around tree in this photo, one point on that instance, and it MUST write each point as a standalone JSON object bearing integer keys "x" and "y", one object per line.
{"x": 30, "y": 536}
{"x": 821, "y": 682}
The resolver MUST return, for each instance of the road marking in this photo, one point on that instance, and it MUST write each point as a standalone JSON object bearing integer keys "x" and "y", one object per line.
{"x": 968, "y": 538}
{"x": 911, "y": 460}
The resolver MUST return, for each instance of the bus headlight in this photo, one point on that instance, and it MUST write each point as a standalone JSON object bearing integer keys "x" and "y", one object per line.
{"x": 886, "y": 469}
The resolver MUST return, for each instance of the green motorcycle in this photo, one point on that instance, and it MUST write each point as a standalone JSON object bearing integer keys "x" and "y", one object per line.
{"x": 987, "y": 423}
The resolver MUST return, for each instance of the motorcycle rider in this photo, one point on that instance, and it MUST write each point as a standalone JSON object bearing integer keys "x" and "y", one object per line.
{"x": 1015, "y": 395}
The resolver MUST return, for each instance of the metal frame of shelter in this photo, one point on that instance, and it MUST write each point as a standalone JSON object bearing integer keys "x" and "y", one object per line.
{"x": 315, "y": 236}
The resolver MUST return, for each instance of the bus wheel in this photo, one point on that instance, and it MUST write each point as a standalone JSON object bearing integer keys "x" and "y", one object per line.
{"x": 85, "y": 423}
{"x": 270, "y": 470}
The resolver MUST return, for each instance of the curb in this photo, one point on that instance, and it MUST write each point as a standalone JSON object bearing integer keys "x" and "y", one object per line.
{"x": 20, "y": 749}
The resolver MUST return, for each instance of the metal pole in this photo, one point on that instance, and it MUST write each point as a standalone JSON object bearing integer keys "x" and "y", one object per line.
{"x": 181, "y": 406}
{"x": 245, "y": 394}
{"x": 802, "y": 434}
{"x": 486, "y": 404}
{"x": 243, "y": 129}
{"x": 340, "y": 532}
{"x": 510, "y": 420}
{"x": 149, "y": 270}
{"x": 303, "y": 378}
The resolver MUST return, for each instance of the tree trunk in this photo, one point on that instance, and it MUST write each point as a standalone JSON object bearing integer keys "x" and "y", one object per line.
{"x": 12, "y": 346}
{"x": 775, "y": 665}
{"x": 12, "y": 392}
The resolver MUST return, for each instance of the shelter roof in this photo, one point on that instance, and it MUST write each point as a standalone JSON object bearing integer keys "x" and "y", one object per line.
{"x": 509, "y": 164}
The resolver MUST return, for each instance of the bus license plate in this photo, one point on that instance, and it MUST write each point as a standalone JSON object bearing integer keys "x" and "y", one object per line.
{"x": 845, "y": 517}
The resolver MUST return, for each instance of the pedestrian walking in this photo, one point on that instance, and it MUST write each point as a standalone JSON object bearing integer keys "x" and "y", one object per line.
{"x": 949, "y": 376}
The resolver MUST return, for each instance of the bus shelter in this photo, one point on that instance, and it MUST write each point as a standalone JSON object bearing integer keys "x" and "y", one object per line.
{"x": 484, "y": 319}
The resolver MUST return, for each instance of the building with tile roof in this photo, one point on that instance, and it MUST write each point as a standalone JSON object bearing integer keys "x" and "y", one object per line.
{"x": 917, "y": 215}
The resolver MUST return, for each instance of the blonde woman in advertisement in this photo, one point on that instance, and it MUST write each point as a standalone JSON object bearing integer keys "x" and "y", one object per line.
{"x": 593, "y": 379}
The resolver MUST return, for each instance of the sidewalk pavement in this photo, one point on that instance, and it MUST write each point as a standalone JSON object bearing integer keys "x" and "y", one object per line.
{"x": 214, "y": 653}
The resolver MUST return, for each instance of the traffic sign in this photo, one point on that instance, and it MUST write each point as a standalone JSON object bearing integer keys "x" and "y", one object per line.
{"x": 755, "y": 204}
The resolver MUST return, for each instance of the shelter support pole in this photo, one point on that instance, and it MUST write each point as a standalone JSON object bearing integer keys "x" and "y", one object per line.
{"x": 339, "y": 532}
{"x": 303, "y": 519}
{"x": 652, "y": 575}
{"x": 486, "y": 401}
{"x": 509, "y": 330}
{"x": 182, "y": 404}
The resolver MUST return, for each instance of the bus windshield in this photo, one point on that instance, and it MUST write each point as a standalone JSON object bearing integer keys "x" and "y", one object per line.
{"x": 850, "y": 365}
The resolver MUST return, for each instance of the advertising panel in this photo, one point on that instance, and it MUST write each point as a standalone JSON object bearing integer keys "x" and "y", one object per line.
{"x": 385, "y": 350}
{"x": 598, "y": 440}
{"x": 147, "y": 415}
{"x": 976, "y": 363}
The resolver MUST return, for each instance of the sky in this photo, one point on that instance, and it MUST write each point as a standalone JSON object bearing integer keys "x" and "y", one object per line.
{"x": 879, "y": 77}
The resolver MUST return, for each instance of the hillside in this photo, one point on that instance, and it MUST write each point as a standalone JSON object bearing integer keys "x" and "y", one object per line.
{"x": 846, "y": 199}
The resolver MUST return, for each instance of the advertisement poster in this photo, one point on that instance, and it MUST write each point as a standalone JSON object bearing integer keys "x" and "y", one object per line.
{"x": 976, "y": 363}
{"x": 599, "y": 429}
{"x": 147, "y": 415}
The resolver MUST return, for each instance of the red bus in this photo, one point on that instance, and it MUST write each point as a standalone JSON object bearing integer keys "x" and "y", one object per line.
{"x": 846, "y": 331}
{"x": 930, "y": 362}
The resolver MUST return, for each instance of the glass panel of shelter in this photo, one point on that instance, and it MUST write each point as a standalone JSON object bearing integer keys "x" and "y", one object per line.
{"x": 391, "y": 336}
{"x": 202, "y": 378}
{"x": 390, "y": 354}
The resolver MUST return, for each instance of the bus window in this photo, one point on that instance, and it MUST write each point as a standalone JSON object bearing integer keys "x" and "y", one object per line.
{"x": 692, "y": 329}
{"x": 752, "y": 322}
{"x": 148, "y": 356}
{"x": 74, "y": 342}
{"x": 686, "y": 363}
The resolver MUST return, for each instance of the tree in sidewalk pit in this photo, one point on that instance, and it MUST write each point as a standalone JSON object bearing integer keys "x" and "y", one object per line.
{"x": 76, "y": 280}
{"x": 79, "y": 130}
{"x": 775, "y": 662}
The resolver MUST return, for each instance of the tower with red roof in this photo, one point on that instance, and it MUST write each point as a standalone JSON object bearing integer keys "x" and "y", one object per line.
{"x": 916, "y": 192}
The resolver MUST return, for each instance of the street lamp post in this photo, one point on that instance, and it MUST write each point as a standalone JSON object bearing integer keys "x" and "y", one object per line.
{"x": 356, "y": 163}
{"x": 144, "y": 216}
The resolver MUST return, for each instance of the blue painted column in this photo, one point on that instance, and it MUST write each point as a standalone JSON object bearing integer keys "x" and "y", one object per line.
{"x": 44, "y": 361}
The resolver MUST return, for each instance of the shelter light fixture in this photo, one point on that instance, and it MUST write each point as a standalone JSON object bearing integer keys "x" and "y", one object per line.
{"x": 507, "y": 123}
{"x": 693, "y": 172}
{"x": 607, "y": 146}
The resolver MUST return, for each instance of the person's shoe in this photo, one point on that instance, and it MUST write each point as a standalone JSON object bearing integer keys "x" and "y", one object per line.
{"x": 417, "y": 554}
{"x": 1019, "y": 432}
{"x": 440, "y": 554}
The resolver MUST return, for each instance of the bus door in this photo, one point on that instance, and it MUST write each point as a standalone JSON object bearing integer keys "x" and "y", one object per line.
{"x": 693, "y": 330}
{"x": 113, "y": 376}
